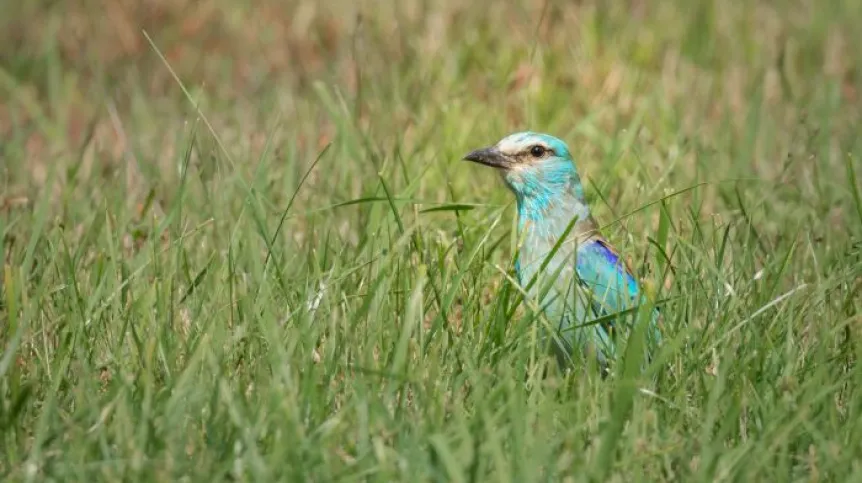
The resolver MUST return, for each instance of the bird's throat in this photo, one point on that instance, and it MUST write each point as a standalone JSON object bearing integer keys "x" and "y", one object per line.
{"x": 543, "y": 221}
{"x": 548, "y": 220}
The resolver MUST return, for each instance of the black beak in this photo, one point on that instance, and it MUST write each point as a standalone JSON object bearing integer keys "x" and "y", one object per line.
{"x": 489, "y": 157}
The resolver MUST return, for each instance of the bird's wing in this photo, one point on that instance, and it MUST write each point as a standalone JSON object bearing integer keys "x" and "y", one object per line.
{"x": 608, "y": 276}
{"x": 609, "y": 279}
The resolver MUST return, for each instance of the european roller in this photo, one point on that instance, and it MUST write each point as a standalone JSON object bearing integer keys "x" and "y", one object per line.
{"x": 586, "y": 278}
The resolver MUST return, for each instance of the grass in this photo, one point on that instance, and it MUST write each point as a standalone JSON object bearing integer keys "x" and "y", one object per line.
{"x": 238, "y": 241}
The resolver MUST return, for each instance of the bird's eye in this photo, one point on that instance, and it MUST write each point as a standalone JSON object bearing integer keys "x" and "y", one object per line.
{"x": 537, "y": 151}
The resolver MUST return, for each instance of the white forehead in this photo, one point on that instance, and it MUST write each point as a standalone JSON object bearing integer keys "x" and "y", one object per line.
{"x": 517, "y": 142}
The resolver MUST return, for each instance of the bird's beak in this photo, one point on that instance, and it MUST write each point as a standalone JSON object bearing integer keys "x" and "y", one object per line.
{"x": 489, "y": 157}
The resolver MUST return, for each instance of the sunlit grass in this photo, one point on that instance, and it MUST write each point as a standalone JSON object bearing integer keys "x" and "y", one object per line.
{"x": 271, "y": 264}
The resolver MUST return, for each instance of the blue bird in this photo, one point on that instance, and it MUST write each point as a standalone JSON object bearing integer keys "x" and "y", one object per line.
{"x": 586, "y": 279}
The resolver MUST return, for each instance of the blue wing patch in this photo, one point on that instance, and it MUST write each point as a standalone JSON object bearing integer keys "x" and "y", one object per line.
{"x": 610, "y": 280}
{"x": 607, "y": 276}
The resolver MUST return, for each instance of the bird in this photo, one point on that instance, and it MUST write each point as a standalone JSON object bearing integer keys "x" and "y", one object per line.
{"x": 586, "y": 279}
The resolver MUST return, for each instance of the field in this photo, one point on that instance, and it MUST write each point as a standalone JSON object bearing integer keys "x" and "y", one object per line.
{"x": 239, "y": 242}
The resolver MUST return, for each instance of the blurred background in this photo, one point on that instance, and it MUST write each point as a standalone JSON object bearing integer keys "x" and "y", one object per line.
{"x": 97, "y": 84}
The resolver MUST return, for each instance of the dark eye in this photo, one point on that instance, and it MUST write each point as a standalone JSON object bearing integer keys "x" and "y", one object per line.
{"x": 537, "y": 151}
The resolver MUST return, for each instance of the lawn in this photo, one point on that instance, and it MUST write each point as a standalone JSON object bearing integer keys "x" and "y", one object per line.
{"x": 239, "y": 243}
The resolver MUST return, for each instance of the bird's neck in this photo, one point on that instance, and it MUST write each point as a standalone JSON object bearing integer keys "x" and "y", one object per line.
{"x": 548, "y": 202}
{"x": 542, "y": 222}
{"x": 547, "y": 207}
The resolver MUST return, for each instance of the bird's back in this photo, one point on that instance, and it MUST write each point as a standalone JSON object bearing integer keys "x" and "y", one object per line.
{"x": 584, "y": 280}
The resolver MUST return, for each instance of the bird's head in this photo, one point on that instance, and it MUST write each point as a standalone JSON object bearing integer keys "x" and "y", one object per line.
{"x": 532, "y": 165}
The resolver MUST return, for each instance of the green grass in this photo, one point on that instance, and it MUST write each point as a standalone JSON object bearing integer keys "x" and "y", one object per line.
{"x": 249, "y": 250}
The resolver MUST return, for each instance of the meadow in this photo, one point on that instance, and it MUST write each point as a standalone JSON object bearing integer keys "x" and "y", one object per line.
{"x": 239, "y": 242}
